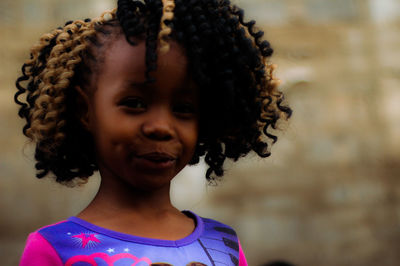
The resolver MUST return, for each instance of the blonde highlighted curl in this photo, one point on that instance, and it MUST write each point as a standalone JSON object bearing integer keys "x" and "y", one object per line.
{"x": 54, "y": 77}
{"x": 165, "y": 31}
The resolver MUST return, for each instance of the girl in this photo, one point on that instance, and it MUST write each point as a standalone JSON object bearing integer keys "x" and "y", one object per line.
{"x": 138, "y": 94}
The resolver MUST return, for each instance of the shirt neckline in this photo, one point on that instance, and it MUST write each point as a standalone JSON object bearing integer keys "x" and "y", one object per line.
{"x": 199, "y": 228}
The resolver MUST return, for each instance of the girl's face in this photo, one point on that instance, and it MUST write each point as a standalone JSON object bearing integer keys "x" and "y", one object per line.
{"x": 144, "y": 133}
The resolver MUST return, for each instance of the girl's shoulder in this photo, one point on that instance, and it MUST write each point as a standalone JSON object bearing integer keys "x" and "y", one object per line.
{"x": 76, "y": 228}
{"x": 221, "y": 238}
{"x": 75, "y": 240}
{"x": 38, "y": 251}
{"x": 214, "y": 227}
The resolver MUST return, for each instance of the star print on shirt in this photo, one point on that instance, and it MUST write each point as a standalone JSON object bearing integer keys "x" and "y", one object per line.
{"x": 110, "y": 250}
{"x": 87, "y": 239}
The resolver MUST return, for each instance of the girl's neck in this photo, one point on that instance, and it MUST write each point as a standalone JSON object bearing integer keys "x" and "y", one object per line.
{"x": 145, "y": 214}
{"x": 122, "y": 207}
{"x": 116, "y": 198}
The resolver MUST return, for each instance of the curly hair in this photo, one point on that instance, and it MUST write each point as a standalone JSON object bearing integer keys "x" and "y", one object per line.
{"x": 228, "y": 61}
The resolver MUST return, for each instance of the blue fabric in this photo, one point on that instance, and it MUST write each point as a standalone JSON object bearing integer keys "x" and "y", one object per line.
{"x": 80, "y": 243}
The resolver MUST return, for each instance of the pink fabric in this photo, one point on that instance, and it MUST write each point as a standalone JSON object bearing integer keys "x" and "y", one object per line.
{"x": 110, "y": 260}
{"x": 242, "y": 258}
{"x": 38, "y": 252}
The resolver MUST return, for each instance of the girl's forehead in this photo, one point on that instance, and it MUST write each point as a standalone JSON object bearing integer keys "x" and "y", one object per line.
{"x": 120, "y": 51}
{"x": 125, "y": 66}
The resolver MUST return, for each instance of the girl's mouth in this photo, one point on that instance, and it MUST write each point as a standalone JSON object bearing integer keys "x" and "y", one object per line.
{"x": 155, "y": 160}
{"x": 156, "y": 156}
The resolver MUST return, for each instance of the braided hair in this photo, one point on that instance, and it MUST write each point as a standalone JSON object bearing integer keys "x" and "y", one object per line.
{"x": 239, "y": 98}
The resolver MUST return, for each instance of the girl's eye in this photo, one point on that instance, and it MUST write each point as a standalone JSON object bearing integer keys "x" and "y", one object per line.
{"x": 184, "y": 109}
{"x": 133, "y": 103}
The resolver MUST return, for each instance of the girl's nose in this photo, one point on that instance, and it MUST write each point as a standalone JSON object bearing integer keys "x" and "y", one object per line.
{"x": 158, "y": 126}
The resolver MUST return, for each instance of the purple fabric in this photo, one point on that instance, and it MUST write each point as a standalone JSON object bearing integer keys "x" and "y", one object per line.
{"x": 143, "y": 240}
{"x": 77, "y": 242}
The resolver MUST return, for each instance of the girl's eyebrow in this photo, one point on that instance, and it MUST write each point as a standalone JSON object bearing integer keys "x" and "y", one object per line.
{"x": 141, "y": 86}
{"x": 136, "y": 84}
{"x": 146, "y": 87}
{"x": 187, "y": 91}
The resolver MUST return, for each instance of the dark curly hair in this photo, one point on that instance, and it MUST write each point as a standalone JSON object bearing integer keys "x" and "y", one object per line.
{"x": 239, "y": 98}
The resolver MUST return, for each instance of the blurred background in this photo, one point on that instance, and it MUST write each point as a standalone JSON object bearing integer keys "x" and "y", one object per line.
{"x": 330, "y": 193}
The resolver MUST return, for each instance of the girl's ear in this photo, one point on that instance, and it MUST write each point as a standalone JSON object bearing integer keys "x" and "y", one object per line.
{"x": 83, "y": 104}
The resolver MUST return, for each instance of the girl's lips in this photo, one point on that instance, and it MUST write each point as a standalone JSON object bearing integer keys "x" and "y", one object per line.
{"x": 157, "y": 156}
{"x": 155, "y": 161}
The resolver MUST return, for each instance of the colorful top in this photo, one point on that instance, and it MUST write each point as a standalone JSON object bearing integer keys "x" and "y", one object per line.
{"x": 77, "y": 242}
